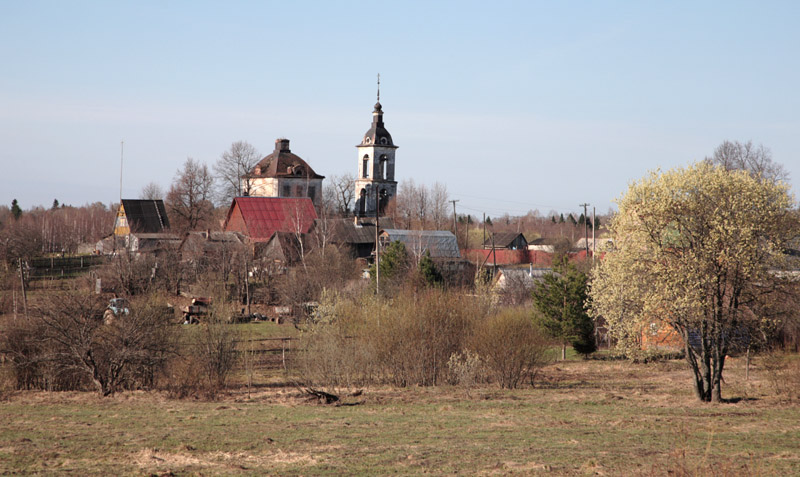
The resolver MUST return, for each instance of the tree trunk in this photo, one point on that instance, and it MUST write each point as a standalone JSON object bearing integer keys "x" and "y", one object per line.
{"x": 563, "y": 351}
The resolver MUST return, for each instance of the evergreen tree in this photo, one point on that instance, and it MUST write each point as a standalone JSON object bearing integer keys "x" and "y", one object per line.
{"x": 488, "y": 221}
{"x": 561, "y": 219}
{"x": 55, "y": 204}
{"x": 16, "y": 211}
{"x": 562, "y": 300}
{"x": 553, "y": 218}
{"x": 572, "y": 220}
{"x": 428, "y": 271}
{"x": 393, "y": 264}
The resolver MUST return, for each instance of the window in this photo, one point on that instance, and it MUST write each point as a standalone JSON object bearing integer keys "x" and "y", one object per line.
{"x": 384, "y": 141}
{"x": 287, "y": 192}
{"x": 365, "y": 167}
{"x": 312, "y": 191}
{"x": 383, "y": 167}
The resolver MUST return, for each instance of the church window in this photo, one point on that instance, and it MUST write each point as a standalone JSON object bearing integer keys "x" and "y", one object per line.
{"x": 312, "y": 191}
{"x": 287, "y": 192}
{"x": 383, "y": 140}
{"x": 365, "y": 167}
{"x": 383, "y": 167}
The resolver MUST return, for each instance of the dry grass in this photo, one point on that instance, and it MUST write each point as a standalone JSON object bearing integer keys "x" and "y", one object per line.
{"x": 583, "y": 418}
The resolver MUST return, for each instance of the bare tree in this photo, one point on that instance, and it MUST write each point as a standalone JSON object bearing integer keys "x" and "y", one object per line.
{"x": 237, "y": 161}
{"x": 152, "y": 191}
{"x": 340, "y": 193}
{"x": 757, "y": 160}
{"x": 438, "y": 204}
{"x": 189, "y": 198}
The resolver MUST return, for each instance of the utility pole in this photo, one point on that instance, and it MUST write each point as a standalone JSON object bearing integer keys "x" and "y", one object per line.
{"x": 585, "y": 227}
{"x": 377, "y": 242}
{"x": 24, "y": 293}
{"x": 483, "y": 244}
{"x": 455, "y": 223}
{"x": 594, "y": 242}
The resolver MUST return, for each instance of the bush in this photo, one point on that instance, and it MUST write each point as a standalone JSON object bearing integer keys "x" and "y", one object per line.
{"x": 404, "y": 341}
{"x": 512, "y": 347}
{"x": 783, "y": 372}
{"x": 67, "y": 345}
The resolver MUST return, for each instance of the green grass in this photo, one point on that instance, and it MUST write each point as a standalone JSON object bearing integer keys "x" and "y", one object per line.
{"x": 584, "y": 418}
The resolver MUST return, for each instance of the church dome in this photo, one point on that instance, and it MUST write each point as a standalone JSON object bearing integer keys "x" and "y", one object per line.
{"x": 282, "y": 163}
{"x": 377, "y": 133}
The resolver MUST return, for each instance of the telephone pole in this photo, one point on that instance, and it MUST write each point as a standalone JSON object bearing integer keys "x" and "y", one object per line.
{"x": 585, "y": 227}
{"x": 455, "y": 223}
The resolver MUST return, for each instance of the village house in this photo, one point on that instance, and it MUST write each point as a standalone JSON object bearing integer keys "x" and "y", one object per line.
{"x": 259, "y": 218}
{"x": 506, "y": 240}
{"x": 141, "y": 226}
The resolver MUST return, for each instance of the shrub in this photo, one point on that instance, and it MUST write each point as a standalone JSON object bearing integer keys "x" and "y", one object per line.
{"x": 783, "y": 372}
{"x": 67, "y": 345}
{"x": 511, "y": 346}
{"x": 404, "y": 341}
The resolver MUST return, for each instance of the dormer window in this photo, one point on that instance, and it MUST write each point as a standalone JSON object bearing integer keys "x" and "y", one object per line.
{"x": 367, "y": 140}
{"x": 384, "y": 141}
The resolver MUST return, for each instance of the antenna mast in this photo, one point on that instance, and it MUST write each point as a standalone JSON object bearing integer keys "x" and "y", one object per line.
{"x": 121, "y": 152}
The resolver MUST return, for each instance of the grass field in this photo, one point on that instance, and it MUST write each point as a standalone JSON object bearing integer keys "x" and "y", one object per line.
{"x": 583, "y": 417}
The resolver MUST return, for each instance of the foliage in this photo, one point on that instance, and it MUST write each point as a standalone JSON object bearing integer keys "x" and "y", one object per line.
{"x": 16, "y": 211}
{"x": 562, "y": 300}
{"x": 511, "y": 345}
{"x": 232, "y": 165}
{"x": 428, "y": 271}
{"x": 68, "y": 344}
{"x": 189, "y": 197}
{"x": 404, "y": 341}
{"x": 757, "y": 160}
{"x": 695, "y": 249}
{"x": 394, "y": 265}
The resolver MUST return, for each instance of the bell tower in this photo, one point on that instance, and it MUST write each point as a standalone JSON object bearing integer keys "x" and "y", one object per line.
{"x": 375, "y": 184}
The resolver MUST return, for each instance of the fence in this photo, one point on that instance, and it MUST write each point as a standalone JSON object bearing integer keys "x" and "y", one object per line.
{"x": 62, "y": 267}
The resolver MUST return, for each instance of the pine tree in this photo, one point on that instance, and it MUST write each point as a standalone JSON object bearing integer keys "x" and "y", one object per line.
{"x": 561, "y": 299}
{"x": 55, "y": 204}
{"x": 16, "y": 211}
{"x": 427, "y": 269}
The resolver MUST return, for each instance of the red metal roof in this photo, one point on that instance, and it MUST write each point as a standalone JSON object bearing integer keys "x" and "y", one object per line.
{"x": 263, "y": 216}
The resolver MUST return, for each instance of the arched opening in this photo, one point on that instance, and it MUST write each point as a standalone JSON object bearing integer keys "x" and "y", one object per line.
{"x": 365, "y": 166}
{"x": 383, "y": 161}
{"x": 362, "y": 203}
{"x": 384, "y": 201}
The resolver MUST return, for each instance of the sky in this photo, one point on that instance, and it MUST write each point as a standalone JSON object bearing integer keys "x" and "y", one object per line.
{"x": 514, "y": 106}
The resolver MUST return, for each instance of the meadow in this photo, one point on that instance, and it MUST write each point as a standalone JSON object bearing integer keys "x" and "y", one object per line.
{"x": 582, "y": 417}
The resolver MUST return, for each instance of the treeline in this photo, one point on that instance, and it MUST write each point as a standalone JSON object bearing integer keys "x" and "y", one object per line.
{"x": 60, "y": 229}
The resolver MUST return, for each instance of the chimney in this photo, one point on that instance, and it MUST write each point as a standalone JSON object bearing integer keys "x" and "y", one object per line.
{"x": 282, "y": 145}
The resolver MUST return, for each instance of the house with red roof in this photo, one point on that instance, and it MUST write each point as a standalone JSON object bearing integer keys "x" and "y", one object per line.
{"x": 259, "y": 218}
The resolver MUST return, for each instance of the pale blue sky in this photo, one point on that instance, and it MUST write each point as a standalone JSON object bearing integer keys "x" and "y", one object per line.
{"x": 513, "y": 105}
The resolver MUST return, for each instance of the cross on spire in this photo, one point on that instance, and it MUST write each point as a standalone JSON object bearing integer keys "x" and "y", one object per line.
{"x": 379, "y": 87}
